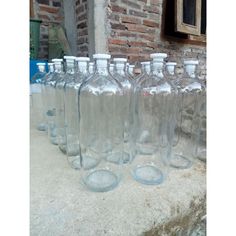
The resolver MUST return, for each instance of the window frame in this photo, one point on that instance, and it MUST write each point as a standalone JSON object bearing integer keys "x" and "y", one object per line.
{"x": 182, "y": 27}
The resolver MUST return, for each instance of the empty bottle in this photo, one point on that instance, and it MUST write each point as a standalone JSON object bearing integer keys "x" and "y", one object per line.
{"x": 127, "y": 85}
{"x": 72, "y": 111}
{"x": 101, "y": 128}
{"x": 57, "y": 76}
{"x": 60, "y": 101}
{"x": 36, "y": 87}
{"x": 190, "y": 91}
{"x": 153, "y": 113}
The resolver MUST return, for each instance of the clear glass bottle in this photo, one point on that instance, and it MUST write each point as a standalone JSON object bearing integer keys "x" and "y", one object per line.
{"x": 60, "y": 101}
{"x": 101, "y": 128}
{"x": 200, "y": 150}
{"x": 57, "y": 76}
{"x": 127, "y": 85}
{"x": 172, "y": 76}
{"x": 37, "y": 94}
{"x": 72, "y": 111}
{"x": 153, "y": 113}
{"x": 91, "y": 68}
{"x": 47, "y": 101}
{"x": 190, "y": 92}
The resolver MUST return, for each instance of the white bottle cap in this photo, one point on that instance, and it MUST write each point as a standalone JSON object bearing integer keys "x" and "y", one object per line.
{"x": 191, "y": 62}
{"x": 158, "y": 56}
{"x": 120, "y": 60}
{"x": 41, "y": 64}
{"x": 171, "y": 63}
{"x": 91, "y": 63}
{"x": 50, "y": 63}
{"x": 69, "y": 58}
{"x": 146, "y": 63}
{"x": 131, "y": 66}
{"x": 57, "y": 60}
{"x": 101, "y": 56}
{"x": 82, "y": 59}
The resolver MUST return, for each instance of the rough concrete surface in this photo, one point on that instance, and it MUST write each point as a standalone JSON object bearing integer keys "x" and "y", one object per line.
{"x": 61, "y": 206}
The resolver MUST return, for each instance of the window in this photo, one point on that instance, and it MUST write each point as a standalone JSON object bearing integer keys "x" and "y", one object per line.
{"x": 185, "y": 19}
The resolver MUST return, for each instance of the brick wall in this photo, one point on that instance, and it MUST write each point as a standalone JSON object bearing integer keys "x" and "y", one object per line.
{"x": 82, "y": 27}
{"x": 47, "y": 11}
{"x": 135, "y": 31}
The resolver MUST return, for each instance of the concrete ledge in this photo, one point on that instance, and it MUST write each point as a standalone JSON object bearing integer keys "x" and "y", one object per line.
{"x": 61, "y": 206}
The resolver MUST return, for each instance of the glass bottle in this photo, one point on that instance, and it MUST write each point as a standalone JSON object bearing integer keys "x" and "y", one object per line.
{"x": 60, "y": 101}
{"x": 57, "y": 76}
{"x": 91, "y": 68}
{"x": 101, "y": 128}
{"x": 153, "y": 113}
{"x": 36, "y": 88}
{"x": 47, "y": 104}
{"x": 127, "y": 86}
{"x": 173, "y": 78}
{"x": 200, "y": 149}
{"x": 190, "y": 91}
{"x": 72, "y": 111}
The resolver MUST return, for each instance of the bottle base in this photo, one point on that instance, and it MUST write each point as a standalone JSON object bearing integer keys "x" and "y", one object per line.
{"x": 148, "y": 174}
{"x": 101, "y": 180}
{"x": 180, "y": 162}
{"x": 42, "y": 127}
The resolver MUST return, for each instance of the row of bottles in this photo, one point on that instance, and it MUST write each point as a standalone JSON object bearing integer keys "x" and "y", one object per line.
{"x": 106, "y": 120}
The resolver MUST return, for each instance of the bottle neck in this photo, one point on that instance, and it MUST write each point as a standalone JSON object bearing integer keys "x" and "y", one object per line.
{"x": 147, "y": 69}
{"x": 102, "y": 67}
{"x": 131, "y": 70}
{"x": 170, "y": 70}
{"x": 91, "y": 68}
{"x": 41, "y": 68}
{"x": 51, "y": 69}
{"x": 120, "y": 68}
{"x": 191, "y": 70}
{"x": 58, "y": 68}
{"x": 70, "y": 69}
{"x": 83, "y": 68}
{"x": 157, "y": 69}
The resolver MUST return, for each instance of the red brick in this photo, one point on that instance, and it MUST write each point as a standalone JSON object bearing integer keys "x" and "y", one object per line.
{"x": 117, "y": 26}
{"x": 117, "y": 41}
{"x": 137, "y": 13}
{"x": 133, "y": 50}
{"x": 43, "y": 17}
{"x": 119, "y": 9}
{"x": 150, "y": 23}
{"x": 137, "y": 43}
{"x": 131, "y": 4}
{"x": 155, "y": 2}
{"x": 126, "y": 34}
{"x": 82, "y": 25}
{"x": 132, "y": 20}
{"x": 147, "y": 37}
{"x": 48, "y": 8}
{"x": 151, "y": 9}
{"x": 136, "y": 28}
{"x": 152, "y": 45}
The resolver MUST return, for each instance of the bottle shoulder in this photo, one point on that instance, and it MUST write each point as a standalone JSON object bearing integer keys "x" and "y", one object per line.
{"x": 98, "y": 84}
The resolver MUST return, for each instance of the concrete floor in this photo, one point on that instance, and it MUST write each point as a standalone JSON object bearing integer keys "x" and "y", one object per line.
{"x": 61, "y": 206}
